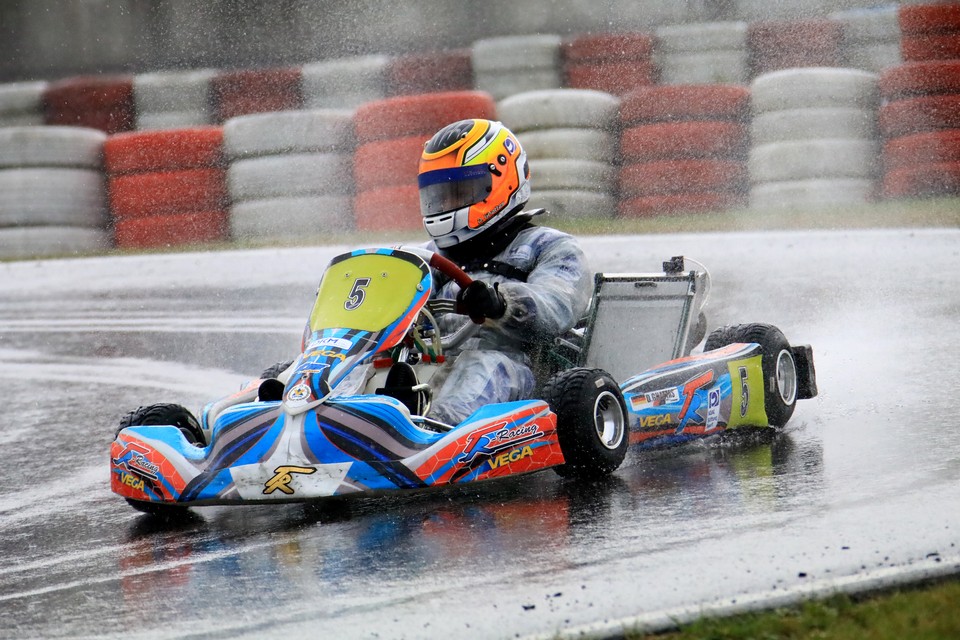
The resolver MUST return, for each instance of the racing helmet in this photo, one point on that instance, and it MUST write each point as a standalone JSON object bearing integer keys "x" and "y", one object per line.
{"x": 473, "y": 177}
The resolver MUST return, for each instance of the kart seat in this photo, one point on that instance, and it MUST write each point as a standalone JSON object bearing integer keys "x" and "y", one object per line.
{"x": 402, "y": 384}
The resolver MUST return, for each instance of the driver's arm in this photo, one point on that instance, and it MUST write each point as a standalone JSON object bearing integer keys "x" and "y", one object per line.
{"x": 555, "y": 295}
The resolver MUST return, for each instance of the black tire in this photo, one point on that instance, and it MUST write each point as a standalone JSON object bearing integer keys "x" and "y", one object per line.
{"x": 275, "y": 370}
{"x": 591, "y": 422}
{"x": 779, "y": 368}
{"x": 163, "y": 414}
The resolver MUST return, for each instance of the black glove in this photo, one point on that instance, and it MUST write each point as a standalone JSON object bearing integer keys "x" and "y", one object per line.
{"x": 481, "y": 301}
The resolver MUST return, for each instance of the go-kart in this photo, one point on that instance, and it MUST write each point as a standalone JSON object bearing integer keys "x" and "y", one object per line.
{"x": 349, "y": 415}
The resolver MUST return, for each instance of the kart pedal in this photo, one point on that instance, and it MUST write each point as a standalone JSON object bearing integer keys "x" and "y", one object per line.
{"x": 402, "y": 384}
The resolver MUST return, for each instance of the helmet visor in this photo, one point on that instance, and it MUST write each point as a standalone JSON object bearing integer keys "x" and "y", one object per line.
{"x": 450, "y": 189}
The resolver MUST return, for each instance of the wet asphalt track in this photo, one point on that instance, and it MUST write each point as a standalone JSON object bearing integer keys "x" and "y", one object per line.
{"x": 865, "y": 482}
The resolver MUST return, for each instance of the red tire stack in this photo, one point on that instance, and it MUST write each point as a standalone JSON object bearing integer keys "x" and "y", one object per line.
{"x": 920, "y": 124}
{"x": 167, "y": 187}
{"x": 614, "y": 63}
{"x": 683, "y": 149}
{"x": 390, "y": 137}
{"x": 429, "y": 72}
{"x": 97, "y": 102}
{"x": 242, "y": 92}
{"x": 775, "y": 45}
{"x": 930, "y": 32}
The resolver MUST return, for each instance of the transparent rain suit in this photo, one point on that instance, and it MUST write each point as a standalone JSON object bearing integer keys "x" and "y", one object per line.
{"x": 493, "y": 365}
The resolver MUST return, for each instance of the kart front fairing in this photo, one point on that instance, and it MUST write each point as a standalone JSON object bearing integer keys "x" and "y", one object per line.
{"x": 316, "y": 442}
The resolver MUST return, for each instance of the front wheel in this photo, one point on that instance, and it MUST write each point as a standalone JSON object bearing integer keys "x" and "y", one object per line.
{"x": 591, "y": 422}
{"x": 780, "y": 379}
{"x": 163, "y": 414}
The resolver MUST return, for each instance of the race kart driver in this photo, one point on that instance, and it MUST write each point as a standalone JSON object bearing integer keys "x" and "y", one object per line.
{"x": 531, "y": 283}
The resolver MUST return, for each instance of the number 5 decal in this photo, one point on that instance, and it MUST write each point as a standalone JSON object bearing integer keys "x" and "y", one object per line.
{"x": 744, "y": 392}
{"x": 357, "y": 294}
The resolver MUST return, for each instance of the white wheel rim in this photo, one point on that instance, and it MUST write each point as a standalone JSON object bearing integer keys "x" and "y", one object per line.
{"x": 786, "y": 377}
{"x": 608, "y": 420}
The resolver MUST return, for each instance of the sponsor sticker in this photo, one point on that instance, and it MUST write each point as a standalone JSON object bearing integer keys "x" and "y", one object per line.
{"x": 713, "y": 408}
{"x": 334, "y": 343}
{"x": 299, "y": 393}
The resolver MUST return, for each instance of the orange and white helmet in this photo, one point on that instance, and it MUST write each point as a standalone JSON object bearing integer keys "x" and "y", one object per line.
{"x": 473, "y": 177}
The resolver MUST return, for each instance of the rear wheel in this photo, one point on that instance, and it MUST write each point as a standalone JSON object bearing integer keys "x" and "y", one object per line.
{"x": 163, "y": 414}
{"x": 591, "y": 422}
{"x": 779, "y": 368}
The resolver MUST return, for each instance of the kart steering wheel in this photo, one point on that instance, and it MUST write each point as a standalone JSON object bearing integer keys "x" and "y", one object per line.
{"x": 449, "y": 268}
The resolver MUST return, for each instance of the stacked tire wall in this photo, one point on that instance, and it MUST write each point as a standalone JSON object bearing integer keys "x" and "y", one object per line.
{"x": 920, "y": 116}
{"x": 614, "y": 63}
{"x": 390, "y": 137}
{"x": 21, "y": 104}
{"x": 173, "y": 99}
{"x": 710, "y": 53}
{"x": 814, "y": 138}
{"x": 683, "y": 149}
{"x": 289, "y": 174}
{"x": 565, "y": 133}
{"x": 870, "y": 38}
{"x": 97, "y": 102}
{"x": 344, "y": 83}
{"x": 52, "y": 195}
{"x": 167, "y": 187}
{"x": 802, "y": 154}
{"x": 514, "y": 64}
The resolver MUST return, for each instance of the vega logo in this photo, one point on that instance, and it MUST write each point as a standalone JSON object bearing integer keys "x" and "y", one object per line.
{"x": 655, "y": 421}
{"x": 512, "y": 456}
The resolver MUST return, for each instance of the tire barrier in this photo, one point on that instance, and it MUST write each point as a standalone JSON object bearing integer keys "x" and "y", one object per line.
{"x": 344, "y": 83}
{"x": 514, "y": 64}
{"x": 682, "y": 149}
{"x": 612, "y": 63}
{"x": 708, "y": 53}
{"x": 21, "y": 104}
{"x": 814, "y": 133}
{"x": 778, "y": 45}
{"x": 920, "y": 123}
{"x": 289, "y": 174}
{"x": 429, "y": 72}
{"x": 809, "y": 131}
{"x": 930, "y": 32}
{"x": 173, "y": 99}
{"x": 570, "y": 180}
{"x": 242, "y": 92}
{"x": 97, "y": 102}
{"x": 870, "y": 37}
{"x": 391, "y": 134}
{"x": 167, "y": 187}
{"x": 52, "y": 195}
{"x": 421, "y": 115}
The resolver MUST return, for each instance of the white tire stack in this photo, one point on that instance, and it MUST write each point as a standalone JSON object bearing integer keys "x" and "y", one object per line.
{"x": 515, "y": 64}
{"x": 290, "y": 173}
{"x": 52, "y": 194}
{"x": 708, "y": 53}
{"x": 344, "y": 83}
{"x": 871, "y": 37}
{"x": 566, "y": 134}
{"x": 21, "y": 104}
{"x": 173, "y": 99}
{"x": 814, "y": 137}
